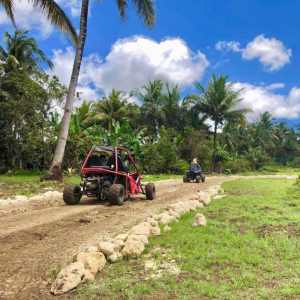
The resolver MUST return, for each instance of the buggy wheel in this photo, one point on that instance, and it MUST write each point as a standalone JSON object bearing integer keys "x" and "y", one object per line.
{"x": 72, "y": 194}
{"x": 198, "y": 179}
{"x": 150, "y": 191}
{"x": 203, "y": 178}
{"x": 185, "y": 179}
{"x": 116, "y": 194}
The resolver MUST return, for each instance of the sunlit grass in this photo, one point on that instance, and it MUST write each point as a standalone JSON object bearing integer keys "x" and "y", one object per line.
{"x": 248, "y": 250}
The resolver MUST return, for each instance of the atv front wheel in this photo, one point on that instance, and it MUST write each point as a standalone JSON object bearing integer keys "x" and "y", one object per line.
{"x": 72, "y": 194}
{"x": 198, "y": 179}
{"x": 116, "y": 194}
{"x": 150, "y": 191}
{"x": 203, "y": 178}
{"x": 185, "y": 179}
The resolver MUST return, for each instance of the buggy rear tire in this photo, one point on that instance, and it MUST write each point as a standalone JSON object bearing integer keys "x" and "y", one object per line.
{"x": 198, "y": 179}
{"x": 72, "y": 194}
{"x": 203, "y": 178}
{"x": 185, "y": 179}
{"x": 150, "y": 191}
{"x": 116, "y": 194}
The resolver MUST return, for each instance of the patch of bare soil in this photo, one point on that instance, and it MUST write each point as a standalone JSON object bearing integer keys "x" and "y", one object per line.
{"x": 290, "y": 230}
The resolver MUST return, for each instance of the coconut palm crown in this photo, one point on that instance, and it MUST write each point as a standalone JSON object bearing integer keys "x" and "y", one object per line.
{"x": 22, "y": 53}
{"x": 217, "y": 102}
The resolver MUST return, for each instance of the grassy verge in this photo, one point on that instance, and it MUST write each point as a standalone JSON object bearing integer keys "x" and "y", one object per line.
{"x": 248, "y": 250}
{"x": 29, "y": 185}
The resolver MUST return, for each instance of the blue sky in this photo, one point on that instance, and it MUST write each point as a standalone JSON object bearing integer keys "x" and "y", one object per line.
{"x": 255, "y": 42}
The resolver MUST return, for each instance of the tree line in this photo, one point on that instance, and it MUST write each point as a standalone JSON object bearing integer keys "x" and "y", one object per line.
{"x": 163, "y": 130}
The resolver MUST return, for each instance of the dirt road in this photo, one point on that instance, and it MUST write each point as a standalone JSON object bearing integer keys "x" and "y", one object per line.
{"x": 36, "y": 241}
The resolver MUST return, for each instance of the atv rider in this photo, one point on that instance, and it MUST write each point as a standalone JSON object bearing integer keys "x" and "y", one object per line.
{"x": 194, "y": 165}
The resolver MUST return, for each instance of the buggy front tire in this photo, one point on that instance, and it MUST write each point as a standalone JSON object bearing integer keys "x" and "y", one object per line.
{"x": 72, "y": 194}
{"x": 198, "y": 179}
{"x": 185, "y": 179}
{"x": 150, "y": 191}
{"x": 116, "y": 194}
{"x": 203, "y": 178}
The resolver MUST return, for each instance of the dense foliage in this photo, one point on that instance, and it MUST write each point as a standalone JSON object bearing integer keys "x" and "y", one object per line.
{"x": 163, "y": 130}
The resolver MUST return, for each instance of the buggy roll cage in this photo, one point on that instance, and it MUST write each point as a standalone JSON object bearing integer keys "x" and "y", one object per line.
{"x": 106, "y": 169}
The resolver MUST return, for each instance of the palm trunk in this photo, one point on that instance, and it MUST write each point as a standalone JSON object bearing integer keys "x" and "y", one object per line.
{"x": 212, "y": 164}
{"x": 55, "y": 172}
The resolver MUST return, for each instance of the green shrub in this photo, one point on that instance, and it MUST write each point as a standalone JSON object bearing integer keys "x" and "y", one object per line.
{"x": 179, "y": 166}
{"x": 296, "y": 162}
{"x": 272, "y": 169}
{"x": 238, "y": 166}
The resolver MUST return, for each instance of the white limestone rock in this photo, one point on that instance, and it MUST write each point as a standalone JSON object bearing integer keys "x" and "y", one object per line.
{"x": 122, "y": 237}
{"x": 90, "y": 262}
{"x": 173, "y": 213}
{"x": 118, "y": 242}
{"x": 204, "y": 198}
{"x": 199, "y": 220}
{"x": 140, "y": 238}
{"x": 87, "y": 277}
{"x": 21, "y": 198}
{"x": 108, "y": 248}
{"x": 92, "y": 249}
{"x": 140, "y": 229}
{"x": 68, "y": 278}
{"x": 116, "y": 256}
{"x": 167, "y": 228}
{"x": 134, "y": 249}
{"x": 152, "y": 222}
{"x": 155, "y": 231}
{"x": 166, "y": 218}
{"x": 197, "y": 204}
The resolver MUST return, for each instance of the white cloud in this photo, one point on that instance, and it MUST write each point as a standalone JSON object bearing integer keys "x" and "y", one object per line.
{"x": 28, "y": 17}
{"x": 131, "y": 62}
{"x": 270, "y": 52}
{"x": 275, "y": 86}
{"x": 63, "y": 64}
{"x": 32, "y": 19}
{"x": 228, "y": 46}
{"x": 73, "y": 5}
{"x": 261, "y": 99}
{"x": 3, "y": 18}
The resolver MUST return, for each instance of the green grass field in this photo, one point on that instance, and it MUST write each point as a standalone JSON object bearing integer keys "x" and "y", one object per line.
{"x": 249, "y": 250}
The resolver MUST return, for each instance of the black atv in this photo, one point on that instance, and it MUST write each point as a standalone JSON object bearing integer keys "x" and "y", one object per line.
{"x": 192, "y": 175}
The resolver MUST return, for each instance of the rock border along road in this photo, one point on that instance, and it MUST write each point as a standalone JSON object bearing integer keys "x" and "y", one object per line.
{"x": 34, "y": 242}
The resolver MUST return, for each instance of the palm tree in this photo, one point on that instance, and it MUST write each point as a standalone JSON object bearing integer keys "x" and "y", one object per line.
{"x": 217, "y": 101}
{"x": 52, "y": 12}
{"x": 22, "y": 53}
{"x": 229, "y": 137}
{"x": 175, "y": 108}
{"x": 114, "y": 107}
{"x": 145, "y": 10}
{"x": 82, "y": 111}
{"x": 151, "y": 111}
{"x": 264, "y": 131}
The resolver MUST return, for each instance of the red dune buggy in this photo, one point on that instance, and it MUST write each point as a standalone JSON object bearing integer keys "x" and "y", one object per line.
{"x": 108, "y": 179}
